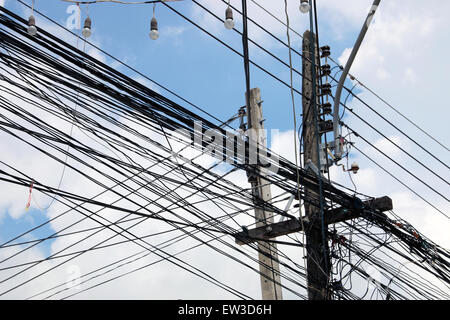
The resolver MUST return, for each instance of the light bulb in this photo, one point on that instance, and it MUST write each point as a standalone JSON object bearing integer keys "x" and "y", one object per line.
{"x": 154, "y": 34}
{"x": 304, "y": 7}
{"x": 32, "y": 30}
{"x": 87, "y": 28}
{"x": 229, "y": 22}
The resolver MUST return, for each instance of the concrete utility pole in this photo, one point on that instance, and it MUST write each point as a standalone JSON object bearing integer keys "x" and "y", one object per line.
{"x": 318, "y": 252}
{"x": 268, "y": 257}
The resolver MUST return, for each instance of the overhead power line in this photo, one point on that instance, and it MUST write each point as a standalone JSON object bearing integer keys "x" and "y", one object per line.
{"x": 136, "y": 126}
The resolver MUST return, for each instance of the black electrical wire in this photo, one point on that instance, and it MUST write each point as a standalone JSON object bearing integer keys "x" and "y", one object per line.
{"x": 52, "y": 137}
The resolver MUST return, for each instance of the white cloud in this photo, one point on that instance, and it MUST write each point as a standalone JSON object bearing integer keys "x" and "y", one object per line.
{"x": 410, "y": 76}
{"x": 388, "y": 147}
{"x": 283, "y": 144}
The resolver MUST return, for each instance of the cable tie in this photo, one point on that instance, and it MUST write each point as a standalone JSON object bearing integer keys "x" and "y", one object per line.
{"x": 29, "y": 196}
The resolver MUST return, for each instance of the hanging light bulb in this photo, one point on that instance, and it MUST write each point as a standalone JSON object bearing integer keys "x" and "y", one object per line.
{"x": 154, "y": 33}
{"x": 304, "y": 6}
{"x": 87, "y": 31}
{"x": 32, "y": 30}
{"x": 229, "y": 22}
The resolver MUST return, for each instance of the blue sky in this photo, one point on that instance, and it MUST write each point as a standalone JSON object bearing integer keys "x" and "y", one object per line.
{"x": 191, "y": 63}
{"x": 11, "y": 228}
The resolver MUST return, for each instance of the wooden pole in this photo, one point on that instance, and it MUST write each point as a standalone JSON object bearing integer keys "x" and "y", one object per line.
{"x": 317, "y": 251}
{"x": 268, "y": 257}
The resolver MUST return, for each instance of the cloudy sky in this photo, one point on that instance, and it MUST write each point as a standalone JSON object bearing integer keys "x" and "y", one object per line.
{"x": 401, "y": 60}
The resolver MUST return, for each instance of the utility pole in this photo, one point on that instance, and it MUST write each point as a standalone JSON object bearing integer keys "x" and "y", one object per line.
{"x": 268, "y": 256}
{"x": 318, "y": 263}
{"x": 317, "y": 251}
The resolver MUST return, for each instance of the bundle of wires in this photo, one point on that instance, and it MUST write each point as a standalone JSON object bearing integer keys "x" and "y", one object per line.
{"x": 130, "y": 170}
